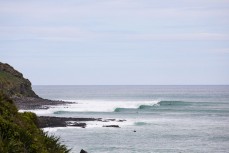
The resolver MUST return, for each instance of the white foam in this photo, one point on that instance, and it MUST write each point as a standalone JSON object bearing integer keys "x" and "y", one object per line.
{"x": 52, "y": 130}
{"x": 40, "y": 112}
{"x": 105, "y": 106}
{"x": 92, "y": 106}
{"x": 99, "y": 124}
{"x": 93, "y": 124}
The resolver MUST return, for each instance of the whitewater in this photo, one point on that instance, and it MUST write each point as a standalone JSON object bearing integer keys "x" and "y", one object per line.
{"x": 165, "y": 118}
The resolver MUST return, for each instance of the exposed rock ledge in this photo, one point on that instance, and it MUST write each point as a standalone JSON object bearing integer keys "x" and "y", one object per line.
{"x": 36, "y": 103}
{"x": 48, "y": 121}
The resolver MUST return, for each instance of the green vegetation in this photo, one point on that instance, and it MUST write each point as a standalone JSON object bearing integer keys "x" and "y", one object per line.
{"x": 13, "y": 83}
{"x": 9, "y": 82}
{"x": 19, "y": 132}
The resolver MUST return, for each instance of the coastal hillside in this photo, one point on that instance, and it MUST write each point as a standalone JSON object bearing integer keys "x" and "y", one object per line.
{"x": 13, "y": 84}
{"x": 19, "y": 89}
{"x": 19, "y": 132}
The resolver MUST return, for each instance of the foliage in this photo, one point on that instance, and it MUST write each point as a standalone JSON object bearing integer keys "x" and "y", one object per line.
{"x": 13, "y": 83}
{"x": 19, "y": 132}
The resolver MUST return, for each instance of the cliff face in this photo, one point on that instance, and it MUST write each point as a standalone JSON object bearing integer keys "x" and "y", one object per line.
{"x": 19, "y": 132}
{"x": 13, "y": 83}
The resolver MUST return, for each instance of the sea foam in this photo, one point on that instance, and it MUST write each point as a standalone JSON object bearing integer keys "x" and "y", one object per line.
{"x": 91, "y": 106}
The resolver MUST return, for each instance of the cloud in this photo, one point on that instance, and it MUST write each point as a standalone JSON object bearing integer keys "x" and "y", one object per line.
{"x": 152, "y": 36}
{"x": 182, "y": 37}
{"x": 78, "y": 34}
{"x": 116, "y": 8}
{"x": 114, "y": 20}
{"x": 46, "y": 33}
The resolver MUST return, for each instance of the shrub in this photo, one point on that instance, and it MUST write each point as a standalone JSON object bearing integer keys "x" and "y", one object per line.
{"x": 19, "y": 132}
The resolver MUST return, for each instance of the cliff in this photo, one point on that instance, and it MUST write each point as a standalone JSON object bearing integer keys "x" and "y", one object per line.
{"x": 18, "y": 88}
{"x": 19, "y": 132}
{"x": 13, "y": 84}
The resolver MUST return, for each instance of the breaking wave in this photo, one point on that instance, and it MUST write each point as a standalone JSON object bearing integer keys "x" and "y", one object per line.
{"x": 111, "y": 106}
{"x": 92, "y": 106}
{"x": 160, "y": 104}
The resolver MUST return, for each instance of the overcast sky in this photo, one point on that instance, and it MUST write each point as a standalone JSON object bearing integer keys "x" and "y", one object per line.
{"x": 103, "y": 42}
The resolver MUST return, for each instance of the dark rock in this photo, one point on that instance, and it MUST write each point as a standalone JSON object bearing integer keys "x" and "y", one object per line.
{"x": 36, "y": 103}
{"x": 100, "y": 119}
{"x": 83, "y": 151}
{"x": 48, "y": 121}
{"x": 83, "y": 125}
{"x": 115, "y": 126}
{"x": 110, "y": 119}
{"x": 121, "y": 120}
{"x": 135, "y": 131}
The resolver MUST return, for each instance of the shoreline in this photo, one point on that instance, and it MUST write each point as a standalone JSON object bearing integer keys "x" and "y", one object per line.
{"x": 51, "y": 121}
{"x": 28, "y": 103}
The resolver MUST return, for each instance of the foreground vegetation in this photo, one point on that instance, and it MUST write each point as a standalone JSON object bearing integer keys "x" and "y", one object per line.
{"x": 19, "y": 132}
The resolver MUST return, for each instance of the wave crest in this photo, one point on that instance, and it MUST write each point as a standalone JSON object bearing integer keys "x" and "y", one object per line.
{"x": 154, "y": 106}
{"x": 118, "y": 109}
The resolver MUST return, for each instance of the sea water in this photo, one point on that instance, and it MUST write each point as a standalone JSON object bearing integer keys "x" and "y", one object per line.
{"x": 167, "y": 119}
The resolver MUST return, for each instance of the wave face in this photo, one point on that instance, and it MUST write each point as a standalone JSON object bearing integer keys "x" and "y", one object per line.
{"x": 159, "y": 105}
{"x": 94, "y": 106}
{"x": 118, "y": 109}
{"x": 148, "y": 106}
{"x": 129, "y": 107}
{"x": 166, "y": 103}
{"x": 99, "y": 106}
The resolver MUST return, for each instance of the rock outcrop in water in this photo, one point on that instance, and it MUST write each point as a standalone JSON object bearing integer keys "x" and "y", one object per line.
{"x": 83, "y": 151}
{"x": 48, "y": 121}
{"x": 13, "y": 84}
{"x": 115, "y": 126}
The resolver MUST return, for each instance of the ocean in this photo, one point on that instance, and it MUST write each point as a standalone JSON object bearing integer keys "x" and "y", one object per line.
{"x": 167, "y": 119}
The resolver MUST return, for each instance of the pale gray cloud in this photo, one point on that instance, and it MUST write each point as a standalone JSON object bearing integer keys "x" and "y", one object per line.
{"x": 120, "y": 8}
{"x": 116, "y": 38}
{"x": 79, "y": 34}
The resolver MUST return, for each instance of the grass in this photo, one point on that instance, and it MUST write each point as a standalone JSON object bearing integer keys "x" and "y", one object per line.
{"x": 15, "y": 86}
{"x": 9, "y": 83}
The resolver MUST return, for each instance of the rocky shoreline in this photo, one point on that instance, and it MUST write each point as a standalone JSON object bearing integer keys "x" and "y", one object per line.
{"x": 48, "y": 121}
{"x": 19, "y": 89}
{"x": 29, "y": 103}
{"x": 51, "y": 121}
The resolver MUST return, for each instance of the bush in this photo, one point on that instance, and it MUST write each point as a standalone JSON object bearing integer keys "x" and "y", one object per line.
{"x": 19, "y": 132}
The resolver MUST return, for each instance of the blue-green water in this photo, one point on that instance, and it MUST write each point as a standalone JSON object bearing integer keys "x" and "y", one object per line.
{"x": 166, "y": 118}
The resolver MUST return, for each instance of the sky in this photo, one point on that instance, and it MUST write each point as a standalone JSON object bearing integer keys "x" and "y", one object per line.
{"x": 117, "y": 42}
